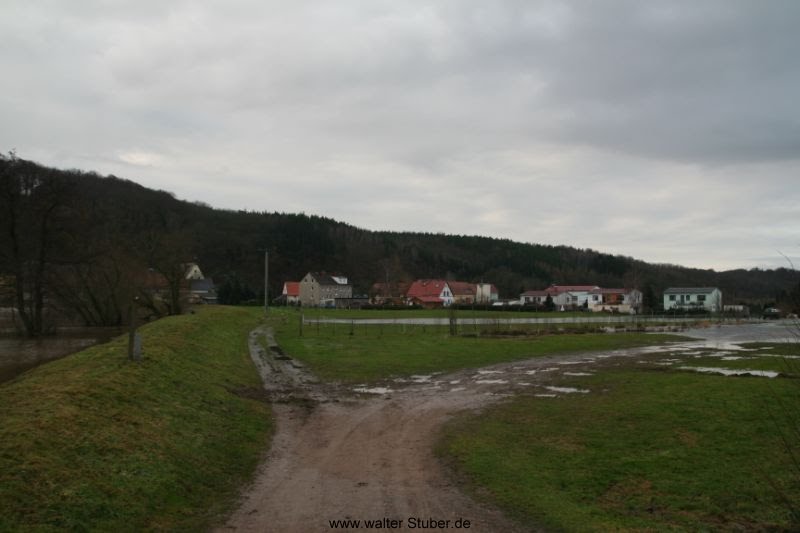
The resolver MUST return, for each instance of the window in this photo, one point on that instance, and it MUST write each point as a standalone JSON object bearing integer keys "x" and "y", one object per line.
{"x": 701, "y": 297}
{"x": 671, "y": 297}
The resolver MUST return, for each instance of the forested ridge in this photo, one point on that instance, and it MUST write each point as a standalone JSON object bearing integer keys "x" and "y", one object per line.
{"x": 80, "y": 236}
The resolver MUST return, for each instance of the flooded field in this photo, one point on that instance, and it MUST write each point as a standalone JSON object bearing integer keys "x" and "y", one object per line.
{"x": 18, "y": 354}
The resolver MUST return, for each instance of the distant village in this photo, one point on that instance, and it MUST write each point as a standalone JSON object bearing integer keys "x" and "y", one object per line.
{"x": 333, "y": 290}
{"x": 321, "y": 289}
{"x": 159, "y": 295}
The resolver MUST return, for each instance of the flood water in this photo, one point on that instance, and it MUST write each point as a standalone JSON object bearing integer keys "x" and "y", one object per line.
{"x": 725, "y": 336}
{"x": 18, "y": 354}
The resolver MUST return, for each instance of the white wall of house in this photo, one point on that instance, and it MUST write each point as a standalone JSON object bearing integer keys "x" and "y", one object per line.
{"x": 571, "y": 298}
{"x": 630, "y": 303}
{"x": 446, "y": 296}
{"x": 689, "y": 299}
{"x": 530, "y": 299}
{"x": 484, "y": 294}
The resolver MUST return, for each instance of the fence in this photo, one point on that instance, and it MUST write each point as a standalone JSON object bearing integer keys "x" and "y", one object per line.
{"x": 506, "y": 325}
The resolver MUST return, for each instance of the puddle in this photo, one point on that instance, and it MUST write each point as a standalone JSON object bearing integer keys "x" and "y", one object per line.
{"x": 734, "y": 357}
{"x": 421, "y": 379}
{"x": 567, "y": 390}
{"x": 524, "y": 384}
{"x": 531, "y": 372}
{"x": 545, "y": 395}
{"x": 374, "y": 390}
{"x": 490, "y": 371}
{"x": 458, "y": 389}
{"x": 570, "y": 363}
{"x": 491, "y": 381}
{"x": 731, "y": 371}
{"x": 455, "y": 382}
{"x": 578, "y": 374}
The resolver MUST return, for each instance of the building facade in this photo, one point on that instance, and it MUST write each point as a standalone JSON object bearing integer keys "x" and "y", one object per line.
{"x": 691, "y": 298}
{"x": 320, "y": 289}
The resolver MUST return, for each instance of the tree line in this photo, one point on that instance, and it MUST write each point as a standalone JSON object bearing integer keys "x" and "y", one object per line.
{"x": 78, "y": 244}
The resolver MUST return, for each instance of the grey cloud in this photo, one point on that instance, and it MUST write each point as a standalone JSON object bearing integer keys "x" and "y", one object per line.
{"x": 664, "y": 130}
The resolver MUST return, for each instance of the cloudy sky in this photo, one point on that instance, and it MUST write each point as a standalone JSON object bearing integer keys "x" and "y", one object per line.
{"x": 667, "y": 131}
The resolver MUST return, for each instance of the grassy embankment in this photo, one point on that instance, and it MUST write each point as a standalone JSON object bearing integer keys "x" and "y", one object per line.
{"x": 94, "y": 442}
{"x": 652, "y": 448}
{"x": 367, "y": 353}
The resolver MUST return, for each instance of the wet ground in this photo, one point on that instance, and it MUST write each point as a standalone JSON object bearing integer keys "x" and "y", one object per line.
{"x": 366, "y": 451}
{"x": 18, "y": 354}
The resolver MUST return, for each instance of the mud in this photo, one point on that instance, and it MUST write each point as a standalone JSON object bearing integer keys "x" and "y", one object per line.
{"x": 367, "y": 452}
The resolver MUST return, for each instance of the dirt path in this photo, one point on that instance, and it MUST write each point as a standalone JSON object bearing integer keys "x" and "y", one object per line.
{"x": 342, "y": 455}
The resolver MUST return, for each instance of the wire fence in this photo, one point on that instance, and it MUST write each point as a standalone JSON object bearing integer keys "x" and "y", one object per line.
{"x": 483, "y": 326}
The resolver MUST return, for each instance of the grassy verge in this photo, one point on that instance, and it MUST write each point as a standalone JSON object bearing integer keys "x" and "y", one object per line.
{"x": 370, "y": 353}
{"x": 312, "y": 312}
{"x": 93, "y": 442}
{"x": 644, "y": 450}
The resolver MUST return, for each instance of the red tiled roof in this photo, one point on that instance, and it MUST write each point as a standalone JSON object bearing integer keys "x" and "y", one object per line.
{"x": 610, "y": 291}
{"x": 535, "y": 293}
{"x": 428, "y": 299}
{"x": 558, "y": 289}
{"x": 461, "y": 288}
{"x": 422, "y": 288}
{"x": 291, "y": 288}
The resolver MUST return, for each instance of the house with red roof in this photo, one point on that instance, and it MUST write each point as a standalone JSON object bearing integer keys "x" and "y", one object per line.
{"x": 291, "y": 293}
{"x": 563, "y": 296}
{"x": 430, "y": 293}
{"x": 594, "y": 298}
{"x": 570, "y": 296}
{"x": 463, "y": 292}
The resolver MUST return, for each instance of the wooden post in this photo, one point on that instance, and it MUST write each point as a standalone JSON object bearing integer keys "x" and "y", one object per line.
{"x": 266, "y": 281}
{"x": 132, "y": 344}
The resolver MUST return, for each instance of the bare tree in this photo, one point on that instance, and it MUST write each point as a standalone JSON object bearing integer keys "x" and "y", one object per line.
{"x": 34, "y": 201}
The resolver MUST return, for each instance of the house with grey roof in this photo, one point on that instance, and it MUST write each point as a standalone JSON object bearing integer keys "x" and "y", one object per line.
{"x": 320, "y": 289}
{"x": 690, "y": 298}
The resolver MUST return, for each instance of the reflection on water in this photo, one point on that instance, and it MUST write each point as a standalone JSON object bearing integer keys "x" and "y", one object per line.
{"x": 730, "y": 336}
{"x": 18, "y": 354}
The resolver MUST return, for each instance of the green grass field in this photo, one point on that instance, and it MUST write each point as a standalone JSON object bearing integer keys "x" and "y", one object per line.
{"x": 312, "y": 312}
{"x": 93, "y": 442}
{"x": 368, "y": 353}
{"x": 651, "y": 449}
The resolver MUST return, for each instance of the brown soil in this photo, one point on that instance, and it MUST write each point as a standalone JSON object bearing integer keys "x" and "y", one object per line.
{"x": 338, "y": 454}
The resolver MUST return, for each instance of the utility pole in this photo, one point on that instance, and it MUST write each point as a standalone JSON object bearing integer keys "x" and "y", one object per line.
{"x": 266, "y": 281}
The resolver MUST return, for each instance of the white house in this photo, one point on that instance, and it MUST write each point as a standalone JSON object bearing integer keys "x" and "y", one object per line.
{"x": 686, "y": 298}
{"x": 430, "y": 293}
{"x": 486, "y": 293}
{"x": 533, "y": 297}
{"x": 627, "y": 301}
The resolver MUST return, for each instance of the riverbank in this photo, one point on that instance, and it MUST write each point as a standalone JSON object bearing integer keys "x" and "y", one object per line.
{"x": 94, "y": 442}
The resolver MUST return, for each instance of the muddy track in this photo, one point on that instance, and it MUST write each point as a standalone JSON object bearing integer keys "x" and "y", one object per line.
{"x": 339, "y": 454}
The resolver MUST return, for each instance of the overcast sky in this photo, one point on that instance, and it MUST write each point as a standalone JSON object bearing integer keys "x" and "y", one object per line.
{"x": 667, "y": 131}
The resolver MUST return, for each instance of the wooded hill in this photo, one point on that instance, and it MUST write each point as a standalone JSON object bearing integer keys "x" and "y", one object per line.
{"x": 82, "y": 239}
